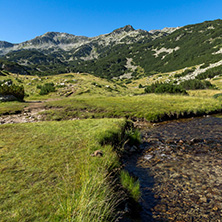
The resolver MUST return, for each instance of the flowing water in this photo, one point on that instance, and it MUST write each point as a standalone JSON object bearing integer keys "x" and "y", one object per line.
{"x": 180, "y": 171}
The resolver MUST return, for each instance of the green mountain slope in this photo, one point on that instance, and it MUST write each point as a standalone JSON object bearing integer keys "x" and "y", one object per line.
{"x": 188, "y": 46}
{"x": 123, "y": 53}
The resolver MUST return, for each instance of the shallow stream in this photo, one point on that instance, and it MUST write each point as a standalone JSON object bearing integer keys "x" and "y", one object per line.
{"x": 180, "y": 170}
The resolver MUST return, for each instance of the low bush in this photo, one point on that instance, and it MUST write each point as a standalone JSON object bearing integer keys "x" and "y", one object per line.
{"x": 210, "y": 73}
{"x": 196, "y": 84}
{"x": 185, "y": 72}
{"x": 165, "y": 88}
{"x": 8, "y": 88}
{"x": 128, "y": 81}
{"x": 46, "y": 88}
{"x": 217, "y": 96}
{"x": 178, "y": 89}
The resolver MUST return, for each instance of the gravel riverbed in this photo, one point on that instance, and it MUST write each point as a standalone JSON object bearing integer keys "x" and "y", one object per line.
{"x": 184, "y": 160}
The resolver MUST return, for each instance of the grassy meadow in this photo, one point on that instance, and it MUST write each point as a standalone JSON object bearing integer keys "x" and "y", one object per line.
{"x": 150, "y": 107}
{"x": 48, "y": 173}
{"x": 65, "y": 84}
{"x": 11, "y": 107}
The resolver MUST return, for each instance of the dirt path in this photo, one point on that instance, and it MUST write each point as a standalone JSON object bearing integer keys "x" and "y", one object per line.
{"x": 29, "y": 114}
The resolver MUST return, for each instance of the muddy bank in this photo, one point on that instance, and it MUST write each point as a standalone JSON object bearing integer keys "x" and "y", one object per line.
{"x": 180, "y": 171}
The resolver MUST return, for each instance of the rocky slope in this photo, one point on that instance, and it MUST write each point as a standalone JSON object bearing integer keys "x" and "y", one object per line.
{"x": 108, "y": 55}
{"x": 53, "y": 41}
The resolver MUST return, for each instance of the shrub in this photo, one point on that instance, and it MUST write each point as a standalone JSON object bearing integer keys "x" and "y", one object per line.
{"x": 128, "y": 81}
{"x": 196, "y": 84}
{"x": 70, "y": 75}
{"x": 165, "y": 88}
{"x": 185, "y": 72}
{"x": 210, "y": 73}
{"x": 46, "y": 88}
{"x": 16, "y": 91}
{"x": 218, "y": 96}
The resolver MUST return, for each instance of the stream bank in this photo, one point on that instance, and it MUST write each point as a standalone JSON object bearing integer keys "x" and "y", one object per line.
{"x": 180, "y": 170}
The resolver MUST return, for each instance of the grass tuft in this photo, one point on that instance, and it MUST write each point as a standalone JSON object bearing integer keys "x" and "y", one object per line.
{"x": 133, "y": 136}
{"x": 130, "y": 184}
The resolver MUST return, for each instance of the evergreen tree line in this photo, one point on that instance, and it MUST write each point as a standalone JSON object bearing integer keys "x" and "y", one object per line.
{"x": 171, "y": 88}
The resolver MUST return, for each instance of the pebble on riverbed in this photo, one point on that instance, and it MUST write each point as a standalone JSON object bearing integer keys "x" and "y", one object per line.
{"x": 129, "y": 150}
{"x": 185, "y": 161}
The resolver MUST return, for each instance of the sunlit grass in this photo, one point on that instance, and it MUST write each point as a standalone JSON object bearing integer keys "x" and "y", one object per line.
{"x": 48, "y": 174}
{"x": 204, "y": 92}
{"x": 150, "y": 107}
{"x": 73, "y": 82}
{"x": 130, "y": 184}
{"x": 11, "y": 107}
{"x": 217, "y": 81}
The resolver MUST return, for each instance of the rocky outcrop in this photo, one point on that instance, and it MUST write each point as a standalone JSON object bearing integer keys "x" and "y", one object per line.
{"x": 6, "y": 98}
{"x": 127, "y": 28}
{"x": 4, "y": 44}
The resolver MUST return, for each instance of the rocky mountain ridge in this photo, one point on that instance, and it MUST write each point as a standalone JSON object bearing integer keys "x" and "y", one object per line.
{"x": 114, "y": 54}
{"x": 65, "y": 41}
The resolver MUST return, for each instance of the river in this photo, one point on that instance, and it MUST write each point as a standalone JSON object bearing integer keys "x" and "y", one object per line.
{"x": 180, "y": 171}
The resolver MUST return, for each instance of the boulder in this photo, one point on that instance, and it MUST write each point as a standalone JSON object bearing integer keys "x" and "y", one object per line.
{"x": 6, "y": 98}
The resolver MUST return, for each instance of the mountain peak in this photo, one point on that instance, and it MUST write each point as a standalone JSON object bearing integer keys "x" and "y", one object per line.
{"x": 4, "y": 44}
{"x": 57, "y": 34}
{"x": 127, "y": 28}
{"x": 168, "y": 30}
{"x": 51, "y": 34}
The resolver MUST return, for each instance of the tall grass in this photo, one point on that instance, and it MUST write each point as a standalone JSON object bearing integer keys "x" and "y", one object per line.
{"x": 151, "y": 107}
{"x": 130, "y": 184}
{"x": 48, "y": 174}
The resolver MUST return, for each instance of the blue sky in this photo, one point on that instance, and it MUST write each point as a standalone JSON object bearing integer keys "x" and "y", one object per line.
{"x": 22, "y": 20}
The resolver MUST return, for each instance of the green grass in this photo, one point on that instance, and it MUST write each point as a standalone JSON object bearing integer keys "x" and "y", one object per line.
{"x": 206, "y": 93}
{"x": 130, "y": 184}
{"x": 78, "y": 84}
{"x": 11, "y": 107}
{"x": 151, "y": 107}
{"x": 133, "y": 137}
{"x": 47, "y": 173}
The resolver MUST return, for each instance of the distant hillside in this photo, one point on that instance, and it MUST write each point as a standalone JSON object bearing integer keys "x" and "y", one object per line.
{"x": 123, "y": 53}
{"x": 187, "y": 46}
{"x": 12, "y": 67}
